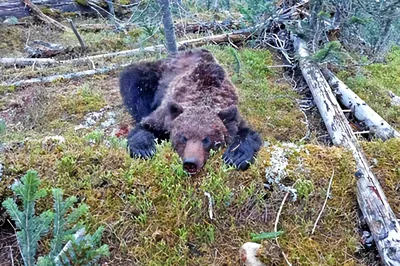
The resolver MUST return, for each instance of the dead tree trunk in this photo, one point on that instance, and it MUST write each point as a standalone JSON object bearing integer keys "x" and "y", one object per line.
{"x": 169, "y": 30}
{"x": 372, "y": 201}
{"x": 18, "y": 9}
{"x": 377, "y": 125}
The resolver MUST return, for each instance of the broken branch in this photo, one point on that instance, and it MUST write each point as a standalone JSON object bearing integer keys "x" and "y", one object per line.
{"x": 78, "y": 36}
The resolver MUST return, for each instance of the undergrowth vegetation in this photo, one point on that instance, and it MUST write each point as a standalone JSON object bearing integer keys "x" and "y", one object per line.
{"x": 153, "y": 213}
{"x": 373, "y": 84}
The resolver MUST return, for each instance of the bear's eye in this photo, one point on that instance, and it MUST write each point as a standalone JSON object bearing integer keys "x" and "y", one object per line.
{"x": 184, "y": 139}
{"x": 206, "y": 141}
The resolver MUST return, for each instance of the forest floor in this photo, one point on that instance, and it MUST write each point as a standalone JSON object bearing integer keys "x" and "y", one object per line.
{"x": 154, "y": 213}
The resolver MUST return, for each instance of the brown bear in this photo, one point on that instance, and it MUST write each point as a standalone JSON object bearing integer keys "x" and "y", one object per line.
{"x": 189, "y": 98}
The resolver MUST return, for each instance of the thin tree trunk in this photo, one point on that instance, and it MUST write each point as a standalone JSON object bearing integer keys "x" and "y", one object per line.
{"x": 373, "y": 203}
{"x": 169, "y": 30}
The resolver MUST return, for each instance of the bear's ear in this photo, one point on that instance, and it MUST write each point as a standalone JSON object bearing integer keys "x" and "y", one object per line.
{"x": 228, "y": 114}
{"x": 174, "y": 109}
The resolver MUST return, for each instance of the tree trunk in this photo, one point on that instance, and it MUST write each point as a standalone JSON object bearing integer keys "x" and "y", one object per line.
{"x": 169, "y": 30}
{"x": 373, "y": 203}
{"x": 377, "y": 125}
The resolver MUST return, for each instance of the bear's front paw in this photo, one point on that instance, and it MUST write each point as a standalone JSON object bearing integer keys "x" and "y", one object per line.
{"x": 141, "y": 144}
{"x": 240, "y": 154}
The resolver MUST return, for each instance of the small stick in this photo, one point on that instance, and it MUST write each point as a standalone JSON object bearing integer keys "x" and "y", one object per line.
{"x": 210, "y": 206}
{"x": 362, "y": 132}
{"x": 15, "y": 232}
{"x": 12, "y": 257}
{"x": 81, "y": 42}
{"x": 77, "y": 235}
{"x": 326, "y": 200}
{"x": 276, "y": 225}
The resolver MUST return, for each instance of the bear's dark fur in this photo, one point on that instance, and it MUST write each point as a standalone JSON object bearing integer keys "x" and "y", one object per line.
{"x": 190, "y": 99}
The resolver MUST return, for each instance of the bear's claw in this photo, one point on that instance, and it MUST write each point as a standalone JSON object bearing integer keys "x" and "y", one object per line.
{"x": 242, "y": 151}
{"x": 239, "y": 156}
{"x": 141, "y": 144}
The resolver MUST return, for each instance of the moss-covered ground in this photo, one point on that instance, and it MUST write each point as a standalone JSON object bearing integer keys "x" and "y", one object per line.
{"x": 154, "y": 213}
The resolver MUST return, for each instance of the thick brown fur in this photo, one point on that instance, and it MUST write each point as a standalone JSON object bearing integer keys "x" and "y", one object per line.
{"x": 190, "y": 98}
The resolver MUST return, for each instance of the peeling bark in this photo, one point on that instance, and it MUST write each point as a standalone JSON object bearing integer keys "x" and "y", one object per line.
{"x": 377, "y": 125}
{"x": 373, "y": 203}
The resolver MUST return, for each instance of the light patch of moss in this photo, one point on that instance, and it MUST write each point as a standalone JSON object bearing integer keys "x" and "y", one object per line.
{"x": 6, "y": 89}
{"x": 51, "y": 12}
{"x": 82, "y": 2}
{"x": 12, "y": 38}
{"x": 85, "y": 100}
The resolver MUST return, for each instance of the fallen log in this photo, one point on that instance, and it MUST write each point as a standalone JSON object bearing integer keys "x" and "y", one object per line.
{"x": 17, "y": 8}
{"x": 377, "y": 125}
{"x": 373, "y": 203}
{"x": 41, "y": 48}
{"x": 233, "y": 37}
{"x": 74, "y": 75}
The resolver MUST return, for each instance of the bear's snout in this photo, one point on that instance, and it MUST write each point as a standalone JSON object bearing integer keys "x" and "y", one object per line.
{"x": 190, "y": 165}
{"x": 194, "y": 157}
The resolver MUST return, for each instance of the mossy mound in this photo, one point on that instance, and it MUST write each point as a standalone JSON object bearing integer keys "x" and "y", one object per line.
{"x": 155, "y": 214}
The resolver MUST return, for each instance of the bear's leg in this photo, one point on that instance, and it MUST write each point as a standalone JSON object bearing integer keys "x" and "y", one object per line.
{"x": 139, "y": 88}
{"x": 242, "y": 150}
{"x": 138, "y": 85}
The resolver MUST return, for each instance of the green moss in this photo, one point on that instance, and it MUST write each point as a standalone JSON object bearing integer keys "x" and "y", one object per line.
{"x": 85, "y": 100}
{"x": 6, "y": 89}
{"x": 373, "y": 83}
{"x": 50, "y": 11}
{"x": 82, "y": 2}
{"x": 385, "y": 159}
{"x": 12, "y": 39}
{"x": 165, "y": 213}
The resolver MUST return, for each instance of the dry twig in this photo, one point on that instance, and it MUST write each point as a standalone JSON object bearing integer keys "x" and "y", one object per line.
{"x": 277, "y": 221}
{"x": 326, "y": 200}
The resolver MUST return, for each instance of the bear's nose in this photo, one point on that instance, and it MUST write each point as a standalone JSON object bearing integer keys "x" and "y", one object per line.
{"x": 190, "y": 165}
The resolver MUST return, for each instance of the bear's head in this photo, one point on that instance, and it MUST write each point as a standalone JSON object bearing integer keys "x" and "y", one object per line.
{"x": 197, "y": 130}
